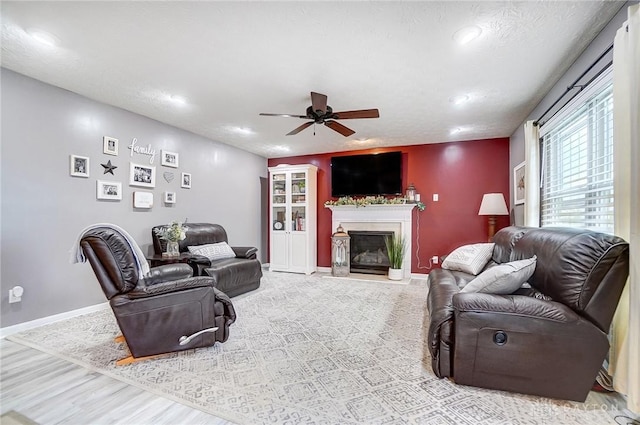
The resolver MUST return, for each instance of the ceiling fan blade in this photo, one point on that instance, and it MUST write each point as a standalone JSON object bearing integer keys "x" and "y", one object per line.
{"x": 299, "y": 129}
{"x": 362, "y": 113}
{"x": 283, "y": 115}
{"x": 336, "y": 126}
{"x": 319, "y": 103}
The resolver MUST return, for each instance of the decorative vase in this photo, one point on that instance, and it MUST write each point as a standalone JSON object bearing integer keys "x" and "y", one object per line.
{"x": 173, "y": 249}
{"x": 395, "y": 274}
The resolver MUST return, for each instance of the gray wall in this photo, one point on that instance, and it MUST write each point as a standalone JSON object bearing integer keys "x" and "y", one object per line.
{"x": 44, "y": 209}
{"x": 591, "y": 53}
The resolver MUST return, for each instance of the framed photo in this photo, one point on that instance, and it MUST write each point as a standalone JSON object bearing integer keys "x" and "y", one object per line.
{"x": 108, "y": 190}
{"x": 169, "y": 159}
{"x": 142, "y": 199}
{"x": 79, "y": 166}
{"x": 518, "y": 184}
{"x": 110, "y": 145}
{"x": 185, "y": 182}
{"x": 142, "y": 175}
{"x": 169, "y": 197}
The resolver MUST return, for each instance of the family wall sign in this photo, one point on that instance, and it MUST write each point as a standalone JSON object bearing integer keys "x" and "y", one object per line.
{"x": 142, "y": 150}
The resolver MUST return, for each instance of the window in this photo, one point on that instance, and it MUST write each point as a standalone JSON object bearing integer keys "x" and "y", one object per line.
{"x": 577, "y": 162}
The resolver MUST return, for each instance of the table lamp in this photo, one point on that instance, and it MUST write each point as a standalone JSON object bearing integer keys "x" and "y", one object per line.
{"x": 493, "y": 204}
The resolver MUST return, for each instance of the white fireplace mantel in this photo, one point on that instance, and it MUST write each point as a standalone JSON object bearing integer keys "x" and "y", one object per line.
{"x": 394, "y": 217}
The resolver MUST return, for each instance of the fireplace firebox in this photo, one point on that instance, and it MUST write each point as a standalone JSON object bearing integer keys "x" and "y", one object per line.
{"x": 369, "y": 252}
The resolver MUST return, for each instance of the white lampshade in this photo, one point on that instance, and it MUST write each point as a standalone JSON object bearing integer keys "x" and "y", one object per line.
{"x": 493, "y": 204}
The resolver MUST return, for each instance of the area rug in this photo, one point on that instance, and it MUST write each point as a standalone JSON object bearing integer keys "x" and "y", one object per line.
{"x": 14, "y": 418}
{"x": 308, "y": 350}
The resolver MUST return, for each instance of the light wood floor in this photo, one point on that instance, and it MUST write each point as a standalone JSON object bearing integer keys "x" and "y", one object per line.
{"x": 48, "y": 390}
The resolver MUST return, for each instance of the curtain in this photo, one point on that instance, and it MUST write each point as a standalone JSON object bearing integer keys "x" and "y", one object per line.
{"x": 625, "y": 350}
{"x": 531, "y": 175}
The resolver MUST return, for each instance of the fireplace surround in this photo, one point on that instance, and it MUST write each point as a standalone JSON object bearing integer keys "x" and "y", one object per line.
{"x": 394, "y": 218}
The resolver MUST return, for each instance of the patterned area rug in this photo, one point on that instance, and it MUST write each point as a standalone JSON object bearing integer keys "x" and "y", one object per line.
{"x": 309, "y": 350}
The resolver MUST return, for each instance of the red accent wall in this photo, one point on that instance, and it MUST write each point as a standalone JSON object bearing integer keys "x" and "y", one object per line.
{"x": 459, "y": 172}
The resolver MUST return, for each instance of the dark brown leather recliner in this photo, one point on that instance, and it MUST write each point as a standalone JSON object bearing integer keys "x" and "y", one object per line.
{"x": 548, "y": 340}
{"x": 233, "y": 276}
{"x": 168, "y": 310}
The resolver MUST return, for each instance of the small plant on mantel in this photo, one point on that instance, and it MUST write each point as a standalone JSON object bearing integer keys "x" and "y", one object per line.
{"x": 396, "y": 248}
{"x": 371, "y": 200}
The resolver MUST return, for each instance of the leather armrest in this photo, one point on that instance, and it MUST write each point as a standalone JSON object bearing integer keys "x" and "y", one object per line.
{"x": 229, "y": 311}
{"x": 516, "y": 305}
{"x": 248, "y": 252}
{"x": 198, "y": 263}
{"x": 442, "y": 287}
{"x": 141, "y": 291}
{"x": 199, "y": 259}
{"x": 168, "y": 272}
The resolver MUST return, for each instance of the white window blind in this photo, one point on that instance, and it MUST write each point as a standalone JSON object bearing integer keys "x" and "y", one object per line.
{"x": 577, "y": 164}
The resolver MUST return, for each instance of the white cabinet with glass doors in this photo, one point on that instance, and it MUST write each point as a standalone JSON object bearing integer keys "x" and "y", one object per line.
{"x": 292, "y": 212}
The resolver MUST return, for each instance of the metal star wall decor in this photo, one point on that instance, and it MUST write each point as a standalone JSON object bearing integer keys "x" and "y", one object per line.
{"x": 108, "y": 167}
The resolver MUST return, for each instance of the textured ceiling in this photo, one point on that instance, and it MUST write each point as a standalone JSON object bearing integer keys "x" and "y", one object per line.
{"x": 232, "y": 60}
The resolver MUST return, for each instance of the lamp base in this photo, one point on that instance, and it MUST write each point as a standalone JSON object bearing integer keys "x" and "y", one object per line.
{"x": 492, "y": 227}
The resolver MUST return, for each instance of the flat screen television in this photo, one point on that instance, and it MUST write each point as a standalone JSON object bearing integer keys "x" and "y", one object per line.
{"x": 370, "y": 174}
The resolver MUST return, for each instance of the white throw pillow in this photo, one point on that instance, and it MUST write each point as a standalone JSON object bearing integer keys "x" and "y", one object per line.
{"x": 504, "y": 278}
{"x": 214, "y": 251}
{"x": 469, "y": 258}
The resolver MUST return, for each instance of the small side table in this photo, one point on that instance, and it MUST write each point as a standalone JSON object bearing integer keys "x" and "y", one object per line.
{"x": 158, "y": 260}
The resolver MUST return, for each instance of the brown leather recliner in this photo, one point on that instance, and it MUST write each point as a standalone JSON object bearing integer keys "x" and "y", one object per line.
{"x": 233, "y": 276}
{"x": 168, "y": 310}
{"x": 548, "y": 340}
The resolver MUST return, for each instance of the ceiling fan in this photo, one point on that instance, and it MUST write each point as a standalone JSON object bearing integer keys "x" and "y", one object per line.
{"x": 321, "y": 113}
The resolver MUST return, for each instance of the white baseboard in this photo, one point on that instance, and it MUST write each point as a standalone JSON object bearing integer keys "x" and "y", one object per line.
{"x": 10, "y": 330}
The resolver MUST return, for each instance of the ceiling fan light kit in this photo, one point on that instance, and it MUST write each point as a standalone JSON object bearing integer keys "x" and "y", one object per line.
{"x": 321, "y": 113}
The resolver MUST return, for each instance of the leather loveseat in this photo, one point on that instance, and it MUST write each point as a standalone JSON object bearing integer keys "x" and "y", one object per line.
{"x": 549, "y": 337}
{"x": 233, "y": 276}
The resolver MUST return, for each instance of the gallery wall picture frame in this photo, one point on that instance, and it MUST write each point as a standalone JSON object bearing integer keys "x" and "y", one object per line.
{"x": 169, "y": 197}
{"x": 108, "y": 190}
{"x": 185, "y": 181}
{"x": 142, "y": 175}
{"x": 518, "y": 183}
{"x": 110, "y": 145}
{"x": 170, "y": 159}
{"x": 143, "y": 200}
{"x": 79, "y": 166}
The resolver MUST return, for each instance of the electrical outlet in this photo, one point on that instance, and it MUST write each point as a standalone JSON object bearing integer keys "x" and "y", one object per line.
{"x": 434, "y": 259}
{"x": 15, "y": 294}
{"x": 13, "y": 298}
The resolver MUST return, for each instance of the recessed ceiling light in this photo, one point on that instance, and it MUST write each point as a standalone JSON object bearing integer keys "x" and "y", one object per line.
{"x": 466, "y": 34}
{"x": 178, "y": 100}
{"x": 457, "y": 130}
{"x": 459, "y": 100}
{"x": 242, "y": 130}
{"x": 281, "y": 148}
{"x": 43, "y": 38}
